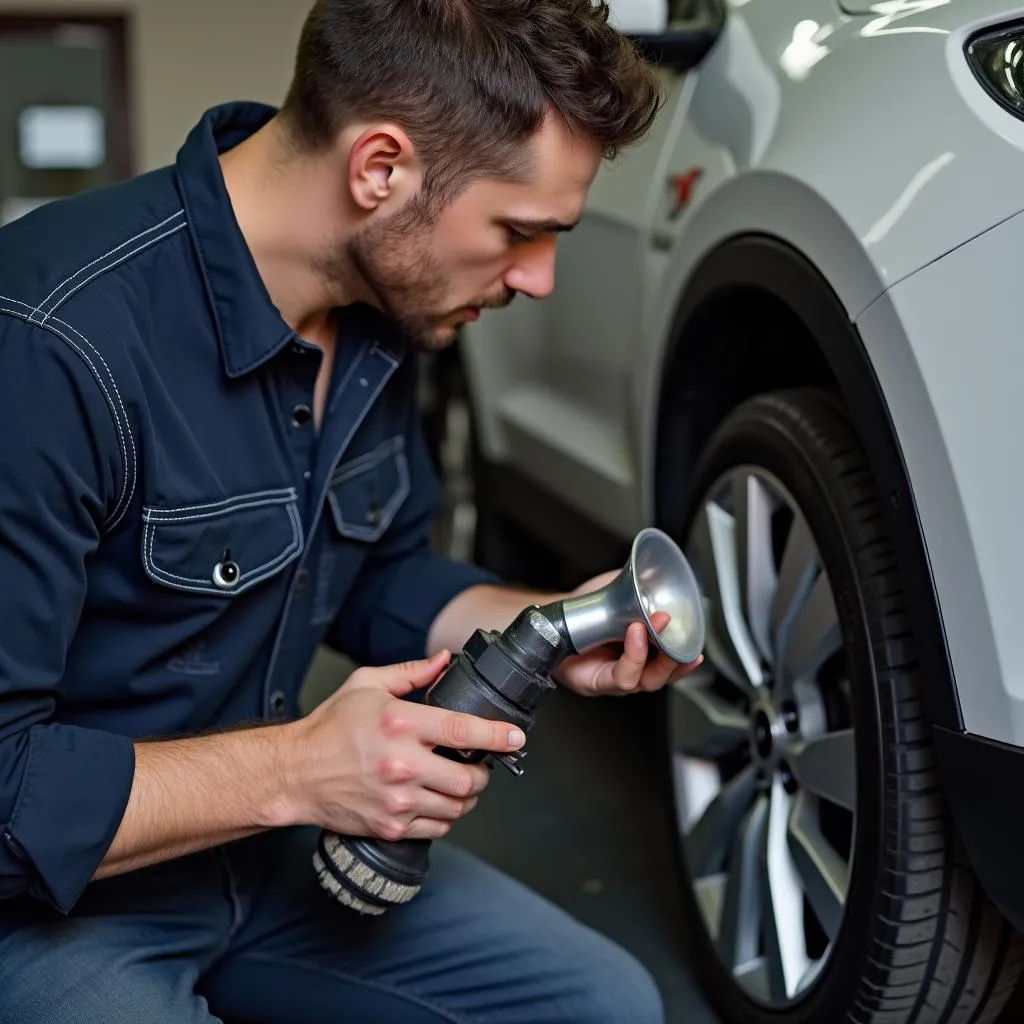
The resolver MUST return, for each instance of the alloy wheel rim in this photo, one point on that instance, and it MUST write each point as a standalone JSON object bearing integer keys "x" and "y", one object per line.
{"x": 763, "y": 745}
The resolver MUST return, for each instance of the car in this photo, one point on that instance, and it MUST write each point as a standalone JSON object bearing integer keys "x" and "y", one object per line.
{"x": 786, "y": 332}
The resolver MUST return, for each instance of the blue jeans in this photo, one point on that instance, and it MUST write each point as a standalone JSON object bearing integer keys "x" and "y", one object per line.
{"x": 245, "y": 932}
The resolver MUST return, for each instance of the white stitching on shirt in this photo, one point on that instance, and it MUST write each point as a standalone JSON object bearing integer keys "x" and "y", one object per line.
{"x": 116, "y": 515}
{"x": 108, "y": 268}
{"x": 109, "y": 525}
{"x": 368, "y": 459}
{"x": 359, "y": 532}
{"x": 135, "y": 238}
{"x": 124, "y": 413}
{"x": 156, "y": 515}
{"x": 246, "y": 580}
{"x": 380, "y": 352}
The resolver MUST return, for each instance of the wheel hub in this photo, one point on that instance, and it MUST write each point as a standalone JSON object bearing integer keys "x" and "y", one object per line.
{"x": 766, "y": 732}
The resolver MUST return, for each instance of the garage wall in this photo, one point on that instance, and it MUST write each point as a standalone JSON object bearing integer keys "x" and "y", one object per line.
{"x": 186, "y": 55}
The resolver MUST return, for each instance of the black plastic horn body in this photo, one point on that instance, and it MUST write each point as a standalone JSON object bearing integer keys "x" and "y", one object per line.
{"x": 500, "y": 676}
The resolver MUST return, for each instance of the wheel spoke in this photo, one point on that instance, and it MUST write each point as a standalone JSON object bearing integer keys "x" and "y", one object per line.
{"x": 815, "y": 634}
{"x": 740, "y": 929}
{"x": 729, "y": 645}
{"x": 703, "y": 724}
{"x": 785, "y": 946}
{"x": 754, "y": 977}
{"x": 711, "y": 839}
{"x": 796, "y": 577}
{"x": 827, "y": 767}
{"x": 753, "y": 506}
{"x": 825, "y": 875}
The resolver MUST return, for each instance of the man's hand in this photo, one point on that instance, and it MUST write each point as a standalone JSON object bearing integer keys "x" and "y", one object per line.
{"x": 626, "y": 668}
{"x": 362, "y": 763}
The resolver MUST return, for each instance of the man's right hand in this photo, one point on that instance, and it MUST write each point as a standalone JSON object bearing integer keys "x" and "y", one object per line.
{"x": 362, "y": 763}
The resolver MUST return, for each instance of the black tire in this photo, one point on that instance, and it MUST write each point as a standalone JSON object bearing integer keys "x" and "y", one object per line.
{"x": 920, "y": 943}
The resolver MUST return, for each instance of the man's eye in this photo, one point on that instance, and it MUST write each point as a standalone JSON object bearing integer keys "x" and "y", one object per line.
{"x": 517, "y": 237}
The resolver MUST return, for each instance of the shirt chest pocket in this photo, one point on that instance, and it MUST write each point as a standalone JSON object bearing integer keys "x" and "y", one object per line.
{"x": 223, "y": 548}
{"x": 366, "y": 493}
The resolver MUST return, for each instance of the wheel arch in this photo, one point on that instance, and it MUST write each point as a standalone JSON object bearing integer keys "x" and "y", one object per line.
{"x": 757, "y": 315}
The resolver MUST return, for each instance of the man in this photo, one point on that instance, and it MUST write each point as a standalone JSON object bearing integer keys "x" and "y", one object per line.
{"x": 210, "y": 463}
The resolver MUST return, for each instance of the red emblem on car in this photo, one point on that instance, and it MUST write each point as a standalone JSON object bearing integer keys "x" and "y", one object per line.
{"x": 682, "y": 186}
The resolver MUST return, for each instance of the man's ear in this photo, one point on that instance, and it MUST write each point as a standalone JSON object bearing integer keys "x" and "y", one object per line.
{"x": 382, "y": 168}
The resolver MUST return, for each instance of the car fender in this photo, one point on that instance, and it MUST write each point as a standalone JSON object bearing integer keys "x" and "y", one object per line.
{"x": 759, "y": 204}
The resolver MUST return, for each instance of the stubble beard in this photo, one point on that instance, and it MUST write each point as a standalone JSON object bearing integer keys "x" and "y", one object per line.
{"x": 393, "y": 258}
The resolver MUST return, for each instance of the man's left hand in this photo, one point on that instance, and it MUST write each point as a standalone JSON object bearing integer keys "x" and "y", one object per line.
{"x": 623, "y": 668}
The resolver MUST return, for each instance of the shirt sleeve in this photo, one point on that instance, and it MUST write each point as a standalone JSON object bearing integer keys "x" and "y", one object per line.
{"x": 404, "y": 583}
{"x": 63, "y": 789}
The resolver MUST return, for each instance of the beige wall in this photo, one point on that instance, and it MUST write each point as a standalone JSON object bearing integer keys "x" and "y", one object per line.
{"x": 186, "y": 55}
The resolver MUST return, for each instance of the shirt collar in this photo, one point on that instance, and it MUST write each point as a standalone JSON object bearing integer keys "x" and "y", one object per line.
{"x": 249, "y": 326}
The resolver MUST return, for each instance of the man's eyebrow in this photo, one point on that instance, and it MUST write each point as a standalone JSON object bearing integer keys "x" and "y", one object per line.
{"x": 541, "y": 226}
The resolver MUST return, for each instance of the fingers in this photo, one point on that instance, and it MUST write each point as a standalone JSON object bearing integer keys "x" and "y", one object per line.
{"x": 641, "y": 666}
{"x": 659, "y": 620}
{"x": 428, "y": 828}
{"x": 411, "y": 813}
{"x": 453, "y": 779}
{"x": 401, "y": 679}
{"x": 660, "y": 670}
{"x": 445, "y": 808}
{"x": 466, "y": 732}
{"x": 629, "y": 669}
{"x": 682, "y": 671}
{"x": 405, "y": 804}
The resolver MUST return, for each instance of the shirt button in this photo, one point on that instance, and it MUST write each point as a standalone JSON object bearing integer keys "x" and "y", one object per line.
{"x": 363, "y": 382}
{"x": 301, "y": 580}
{"x": 277, "y": 702}
{"x": 296, "y": 349}
{"x": 373, "y": 515}
{"x": 301, "y": 415}
{"x": 226, "y": 574}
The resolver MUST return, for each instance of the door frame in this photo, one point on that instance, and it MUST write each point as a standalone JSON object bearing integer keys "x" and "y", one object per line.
{"x": 120, "y": 138}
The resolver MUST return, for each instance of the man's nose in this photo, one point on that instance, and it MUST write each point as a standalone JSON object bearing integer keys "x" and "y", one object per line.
{"x": 533, "y": 271}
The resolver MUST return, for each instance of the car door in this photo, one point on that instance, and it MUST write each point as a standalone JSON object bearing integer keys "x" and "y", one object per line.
{"x": 551, "y": 379}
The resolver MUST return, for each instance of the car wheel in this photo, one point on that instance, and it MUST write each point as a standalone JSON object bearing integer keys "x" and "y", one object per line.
{"x": 823, "y": 881}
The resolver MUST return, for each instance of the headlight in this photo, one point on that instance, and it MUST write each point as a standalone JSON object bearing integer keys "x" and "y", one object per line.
{"x": 997, "y": 58}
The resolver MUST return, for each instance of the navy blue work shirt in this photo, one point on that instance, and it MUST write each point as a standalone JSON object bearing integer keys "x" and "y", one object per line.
{"x": 176, "y": 537}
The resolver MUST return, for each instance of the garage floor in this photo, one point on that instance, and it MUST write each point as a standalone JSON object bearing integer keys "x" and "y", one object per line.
{"x": 586, "y": 826}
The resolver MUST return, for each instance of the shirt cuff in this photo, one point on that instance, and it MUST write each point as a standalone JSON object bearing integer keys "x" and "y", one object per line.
{"x": 72, "y": 799}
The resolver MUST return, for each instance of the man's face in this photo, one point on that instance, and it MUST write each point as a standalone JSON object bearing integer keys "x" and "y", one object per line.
{"x": 432, "y": 274}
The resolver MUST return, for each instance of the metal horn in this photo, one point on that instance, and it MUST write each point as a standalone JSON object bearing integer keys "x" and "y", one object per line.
{"x": 657, "y": 578}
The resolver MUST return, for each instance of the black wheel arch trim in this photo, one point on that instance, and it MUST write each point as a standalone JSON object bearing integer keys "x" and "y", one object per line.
{"x": 981, "y": 777}
{"x": 767, "y": 263}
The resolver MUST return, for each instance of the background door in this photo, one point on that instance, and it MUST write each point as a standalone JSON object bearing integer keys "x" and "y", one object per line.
{"x": 64, "y": 112}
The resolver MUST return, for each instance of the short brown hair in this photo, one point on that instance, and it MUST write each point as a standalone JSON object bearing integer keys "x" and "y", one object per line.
{"x": 468, "y": 80}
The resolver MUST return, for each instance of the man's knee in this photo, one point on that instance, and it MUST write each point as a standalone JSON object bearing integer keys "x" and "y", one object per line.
{"x": 615, "y": 987}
